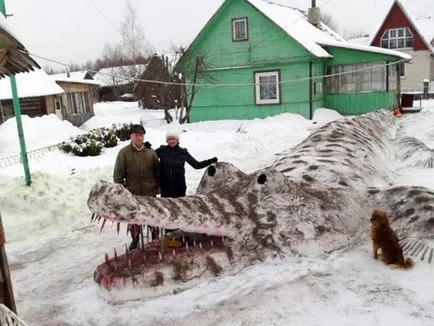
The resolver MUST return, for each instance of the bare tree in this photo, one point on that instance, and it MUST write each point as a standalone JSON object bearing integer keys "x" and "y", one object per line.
{"x": 50, "y": 70}
{"x": 112, "y": 55}
{"x": 197, "y": 69}
{"x": 354, "y": 34}
{"x": 112, "y": 77}
{"x": 329, "y": 21}
{"x": 134, "y": 42}
{"x": 174, "y": 53}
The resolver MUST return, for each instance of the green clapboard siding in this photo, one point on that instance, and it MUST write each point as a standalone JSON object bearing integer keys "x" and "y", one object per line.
{"x": 238, "y": 102}
{"x": 359, "y": 103}
{"x": 267, "y": 43}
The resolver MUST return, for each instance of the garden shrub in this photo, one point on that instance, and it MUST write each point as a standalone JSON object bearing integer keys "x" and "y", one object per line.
{"x": 92, "y": 143}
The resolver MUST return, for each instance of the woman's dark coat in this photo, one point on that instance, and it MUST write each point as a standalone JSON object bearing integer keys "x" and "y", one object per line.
{"x": 172, "y": 171}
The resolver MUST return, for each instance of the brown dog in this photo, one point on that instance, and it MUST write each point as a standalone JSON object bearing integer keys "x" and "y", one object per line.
{"x": 384, "y": 238}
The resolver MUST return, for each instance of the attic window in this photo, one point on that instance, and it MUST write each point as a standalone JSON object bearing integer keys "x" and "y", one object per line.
{"x": 239, "y": 29}
{"x": 397, "y": 38}
{"x": 267, "y": 87}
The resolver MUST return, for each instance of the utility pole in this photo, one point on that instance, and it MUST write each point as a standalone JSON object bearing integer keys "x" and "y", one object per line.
{"x": 17, "y": 112}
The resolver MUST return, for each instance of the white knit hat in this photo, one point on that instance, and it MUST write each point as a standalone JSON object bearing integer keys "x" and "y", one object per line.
{"x": 172, "y": 134}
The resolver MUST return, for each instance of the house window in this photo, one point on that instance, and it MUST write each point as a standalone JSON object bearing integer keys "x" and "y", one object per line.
{"x": 267, "y": 87}
{"x": 72, "y": 104}
{"x": 77, "y": 103}
{"x": 239, "y": 29}
{"x": 317, "y": 87}
{"x": 397, "y": 38}
{"x": 57, "y": 103}
{"x": 401, "y": 69}
{"x": 356, "y": 78}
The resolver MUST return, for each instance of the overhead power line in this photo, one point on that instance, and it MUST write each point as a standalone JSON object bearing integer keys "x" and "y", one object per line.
{"x": 105, "y": 17}
{"x": 232, "y": 84}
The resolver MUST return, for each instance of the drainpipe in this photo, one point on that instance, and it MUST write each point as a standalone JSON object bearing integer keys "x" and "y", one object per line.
{"x": 398, "y": 85}
{"x": 310, "y": 91}
{"x": 17, "y": 112}
{"x": 387, "y": 76}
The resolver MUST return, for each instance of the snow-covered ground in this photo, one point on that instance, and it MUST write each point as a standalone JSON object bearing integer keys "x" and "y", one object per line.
{"x": 53, "y": 249}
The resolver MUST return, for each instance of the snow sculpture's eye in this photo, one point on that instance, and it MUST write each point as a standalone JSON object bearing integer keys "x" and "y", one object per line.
{"x": 211, "y": 171}
{"x": 262, "y": 178}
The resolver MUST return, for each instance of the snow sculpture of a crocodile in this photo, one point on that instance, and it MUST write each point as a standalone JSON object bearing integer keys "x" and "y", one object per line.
{"x": 313, "y": 200}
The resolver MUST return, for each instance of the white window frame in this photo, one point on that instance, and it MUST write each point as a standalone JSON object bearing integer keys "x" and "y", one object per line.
{"x": 235, "y": 37}
{"x": 258, "y": 75}
{"x": 392, "y": 37}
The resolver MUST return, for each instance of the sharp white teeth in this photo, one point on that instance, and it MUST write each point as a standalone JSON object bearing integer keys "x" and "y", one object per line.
{"x": 194, "y": 243}
{"x": 160, "y": 256}
{"x": 200, "y": 245}
{"x": 212, "y": 244}
{"x": 173, "y": 252}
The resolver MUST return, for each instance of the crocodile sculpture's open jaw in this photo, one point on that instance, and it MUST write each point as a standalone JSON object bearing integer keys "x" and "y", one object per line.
{"x": 311, "y": 201}
{"x": 163, "y": 265}
{"x": 173, "y": 261}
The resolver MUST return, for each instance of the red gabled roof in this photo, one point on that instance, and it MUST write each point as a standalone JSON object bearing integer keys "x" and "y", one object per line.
{"x": 398, "y": 17}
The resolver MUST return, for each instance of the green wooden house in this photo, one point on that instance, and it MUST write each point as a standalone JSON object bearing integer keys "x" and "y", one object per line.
{"x": 254, "y": 59}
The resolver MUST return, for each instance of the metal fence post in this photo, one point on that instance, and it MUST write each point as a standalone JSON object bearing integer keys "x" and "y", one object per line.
{"x": 6, "y": 292}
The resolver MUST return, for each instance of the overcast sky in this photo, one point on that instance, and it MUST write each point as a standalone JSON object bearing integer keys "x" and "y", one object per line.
{"x": 76, "y": 30}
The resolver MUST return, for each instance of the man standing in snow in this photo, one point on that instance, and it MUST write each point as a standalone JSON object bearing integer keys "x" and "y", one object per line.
{"x": 137, "y": 168}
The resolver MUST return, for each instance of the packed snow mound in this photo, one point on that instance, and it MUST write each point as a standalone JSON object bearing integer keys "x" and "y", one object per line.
{"x": 322, "y": 116}
{"x": 42, "y": 131}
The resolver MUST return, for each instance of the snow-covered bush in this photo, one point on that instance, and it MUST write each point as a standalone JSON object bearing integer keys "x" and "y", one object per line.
{"x": 92, "y": 143}
{"x": 122, "y": 131}
{"x": 83, "y": 145}
{"x": 105, "y": 135}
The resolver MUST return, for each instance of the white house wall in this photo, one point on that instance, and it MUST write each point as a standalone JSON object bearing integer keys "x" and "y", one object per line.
{"x": 419, "y": 68}
{"x": 432, "y": 68}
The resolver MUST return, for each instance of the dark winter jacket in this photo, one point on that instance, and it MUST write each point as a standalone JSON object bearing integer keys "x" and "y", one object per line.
{"x": 137, "y": 170}
{"x": 172, "y": 172}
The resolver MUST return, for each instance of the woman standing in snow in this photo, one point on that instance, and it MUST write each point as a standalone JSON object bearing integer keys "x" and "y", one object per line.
{"x": 172, "y": 172}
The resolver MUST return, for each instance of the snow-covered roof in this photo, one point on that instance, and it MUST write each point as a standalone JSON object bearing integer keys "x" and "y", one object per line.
{"x": 82, "y": 77}
{"x": 119, "y": 75}
{"x": 420, "y": 13}
{"x": 30, "y": 84}
{"x": 363, "y": 40}
{"x": 295, "y": 24}
{"x": 18, "y": 58}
